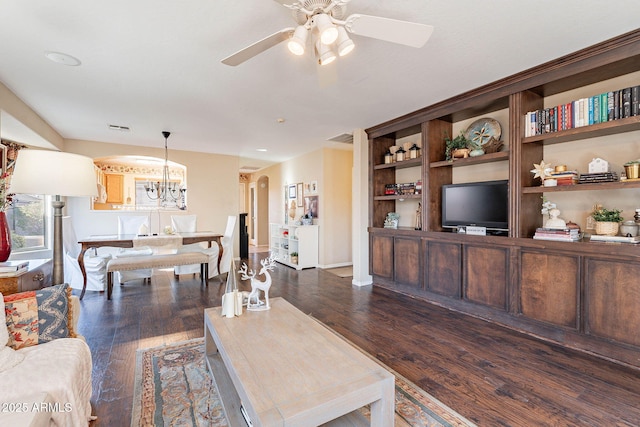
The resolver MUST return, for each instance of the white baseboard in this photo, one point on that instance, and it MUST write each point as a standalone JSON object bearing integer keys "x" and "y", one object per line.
{"x": 366, "y": 282}
{"x": 340, "y": 264}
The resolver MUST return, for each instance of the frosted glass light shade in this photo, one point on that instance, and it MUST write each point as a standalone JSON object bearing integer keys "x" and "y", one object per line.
{"x": 298, "y": 41}
{"x": 54, "y": 173}
{"x": 345, "y": 44}
{"x": 325, "y": 54}
{"x": 328, "y": 32}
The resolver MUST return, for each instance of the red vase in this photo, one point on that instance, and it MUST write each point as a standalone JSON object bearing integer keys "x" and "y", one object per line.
{"x": 5, "y": 238}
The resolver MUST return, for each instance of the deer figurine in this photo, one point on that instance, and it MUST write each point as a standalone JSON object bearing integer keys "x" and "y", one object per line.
{"x": 268, "y": 264}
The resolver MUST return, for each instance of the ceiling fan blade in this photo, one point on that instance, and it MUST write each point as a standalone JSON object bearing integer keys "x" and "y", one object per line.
{"x": 391, "y": 30}
{"x": 258, "y": 47}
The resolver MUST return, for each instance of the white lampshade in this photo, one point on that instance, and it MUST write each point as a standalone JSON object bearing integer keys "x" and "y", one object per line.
{"x": 328, "y": 32}
{"x": 298, "y": 41}
{"x": 325, "y": 54}
{"x": 53, "y": 173}
{"x": 345, "y": 44}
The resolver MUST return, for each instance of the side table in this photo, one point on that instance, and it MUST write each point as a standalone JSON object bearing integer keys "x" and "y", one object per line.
{"x": 37, "y": 276}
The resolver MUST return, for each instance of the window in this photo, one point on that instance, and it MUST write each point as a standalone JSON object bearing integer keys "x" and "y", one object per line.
{"x": 27, "y": 222}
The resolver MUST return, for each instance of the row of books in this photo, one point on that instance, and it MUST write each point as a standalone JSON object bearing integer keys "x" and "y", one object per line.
{"x": 13, "y": 268}
{"x": 562, "y": 235}
{"x": 566, "y": 177}
{"x": 608, "y": 106}
{"x": 588, "y": 178}
{"x": 403, "y": 189}
{"x": 573, "y": 177}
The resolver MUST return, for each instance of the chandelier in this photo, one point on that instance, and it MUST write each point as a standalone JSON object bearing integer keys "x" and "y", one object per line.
{"x": 166, "y": 192}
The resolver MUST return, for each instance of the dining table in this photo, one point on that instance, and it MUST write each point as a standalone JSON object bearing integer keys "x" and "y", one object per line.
{"x": 134, "y": 240}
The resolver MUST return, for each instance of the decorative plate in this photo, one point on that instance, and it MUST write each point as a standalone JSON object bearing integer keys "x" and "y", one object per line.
{"x": 481, "y": 131}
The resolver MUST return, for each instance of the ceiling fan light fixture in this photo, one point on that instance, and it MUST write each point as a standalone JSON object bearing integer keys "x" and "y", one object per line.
{"x": 345, "y": 44}
{"x": 324, "y": 53}
{"x": 327, "y": 30}
{"x": 298, "y": 41}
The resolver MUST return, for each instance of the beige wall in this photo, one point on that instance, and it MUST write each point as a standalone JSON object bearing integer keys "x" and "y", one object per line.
{"x": 212, "y": 189}
{"x": 332, "y": 169}
{"x": 18, "y": 122}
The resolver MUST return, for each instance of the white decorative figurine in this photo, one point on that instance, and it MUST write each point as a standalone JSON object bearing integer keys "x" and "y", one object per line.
{"x": 253, "y": 302}
{"x": 554, "y": 221}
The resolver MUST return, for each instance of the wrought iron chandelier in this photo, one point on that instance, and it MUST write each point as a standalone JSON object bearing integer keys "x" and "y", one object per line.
{"x": 166, "y": 192}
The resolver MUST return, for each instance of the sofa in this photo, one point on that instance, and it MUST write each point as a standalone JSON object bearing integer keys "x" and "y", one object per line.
{"x": 45, "y": 367}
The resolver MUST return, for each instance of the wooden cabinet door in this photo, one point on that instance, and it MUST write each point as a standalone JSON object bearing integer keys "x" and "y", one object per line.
{"x": 382, "y": 256}
{"x": 612, "y": 294}
{"x": 406, "y": 255}
{"x": 486, "y": 273}
{"x": 549, "y": 287}
{"x": 444, "y": 268}
{"x": 115, "y": 188}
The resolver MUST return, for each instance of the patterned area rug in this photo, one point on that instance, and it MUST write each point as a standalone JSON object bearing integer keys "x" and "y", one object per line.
{"x": 174, "y": 388}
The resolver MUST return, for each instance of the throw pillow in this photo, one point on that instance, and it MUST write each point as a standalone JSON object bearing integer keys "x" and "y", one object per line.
{"x": 8, "y": 356}
{"x": 37, "y": 317}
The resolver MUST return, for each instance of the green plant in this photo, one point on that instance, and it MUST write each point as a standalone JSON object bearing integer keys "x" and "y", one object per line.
{"x": 459, "y": 141}
{"x": 601, "y": 214}
{"x": 294, "y": 253}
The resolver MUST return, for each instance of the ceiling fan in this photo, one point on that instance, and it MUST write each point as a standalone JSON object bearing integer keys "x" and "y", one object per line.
{"x": 325, "y": 21}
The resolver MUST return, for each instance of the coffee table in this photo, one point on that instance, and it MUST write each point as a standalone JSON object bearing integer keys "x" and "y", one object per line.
{"x": 287, "y": 369}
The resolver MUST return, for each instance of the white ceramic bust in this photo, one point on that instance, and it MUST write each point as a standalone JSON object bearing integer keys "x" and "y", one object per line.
{"x": 554, "y": 221}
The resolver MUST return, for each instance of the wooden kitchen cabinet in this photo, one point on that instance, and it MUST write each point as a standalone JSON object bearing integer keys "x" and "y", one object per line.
{"x": 115, "y": 188}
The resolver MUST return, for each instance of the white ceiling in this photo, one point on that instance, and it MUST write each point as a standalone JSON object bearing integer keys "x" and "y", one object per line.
{"x": 154, "y": 65}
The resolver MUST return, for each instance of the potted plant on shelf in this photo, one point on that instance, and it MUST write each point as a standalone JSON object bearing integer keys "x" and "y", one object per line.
{"x": 456, "y": 147}
{"x": 607, "y": 220}
{"x": 294, "y": 257}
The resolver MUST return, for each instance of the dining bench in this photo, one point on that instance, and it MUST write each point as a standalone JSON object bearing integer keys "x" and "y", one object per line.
{"x": 157, "y": 261}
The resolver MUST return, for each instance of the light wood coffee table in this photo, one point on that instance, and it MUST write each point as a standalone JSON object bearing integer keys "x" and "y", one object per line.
{"x": 286, "y": 369}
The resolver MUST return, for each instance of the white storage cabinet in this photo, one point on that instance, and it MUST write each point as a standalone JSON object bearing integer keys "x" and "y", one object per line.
{"x": 288, "y": 239}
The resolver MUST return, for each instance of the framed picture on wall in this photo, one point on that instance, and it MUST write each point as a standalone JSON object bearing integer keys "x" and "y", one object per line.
{"x": 300, "y": 193}
{"x": 293, "y": 192}
{"x": 311, "y": 206}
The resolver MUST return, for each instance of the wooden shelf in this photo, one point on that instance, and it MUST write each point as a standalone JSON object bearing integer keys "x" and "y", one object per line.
{"x": 400, "y": 165}
{"x": 584, "y": 132}
{"x": 399, "y": 197}
{"x": 485, "y": 158}
{"x": 584, "y": 187}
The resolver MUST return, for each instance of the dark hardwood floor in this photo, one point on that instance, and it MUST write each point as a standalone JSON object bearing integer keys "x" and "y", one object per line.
{"x": 491, "y": 375}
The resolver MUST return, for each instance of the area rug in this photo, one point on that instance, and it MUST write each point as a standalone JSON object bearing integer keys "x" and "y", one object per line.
{"x": 173, "y": 387}
{"x": 341, "y": 271}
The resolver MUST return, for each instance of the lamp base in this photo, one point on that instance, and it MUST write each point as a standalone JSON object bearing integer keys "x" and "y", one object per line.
{"x": 58, "y": 261}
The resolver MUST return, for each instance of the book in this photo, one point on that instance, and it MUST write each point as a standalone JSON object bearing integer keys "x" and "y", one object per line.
{"x": 610, "y": 106}
{"x": 12, "y": 266}
{"x": 635, "y": 101}
{"x": 615, "y": 239}
{"x": 625, "y": 107}
{"x": 14, "y": 273}
{"x": 603, "y": 108}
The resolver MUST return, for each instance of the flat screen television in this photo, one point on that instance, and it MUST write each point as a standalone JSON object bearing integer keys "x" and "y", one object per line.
{"x": 483, "y": 204}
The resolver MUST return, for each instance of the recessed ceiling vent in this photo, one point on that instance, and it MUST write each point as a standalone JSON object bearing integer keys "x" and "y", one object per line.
{"x": 120, "y": 128}
{"x": 346, "y": 138}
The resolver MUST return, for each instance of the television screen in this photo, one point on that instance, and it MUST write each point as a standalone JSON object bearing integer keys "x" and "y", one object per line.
{"x": 483, "y": 204}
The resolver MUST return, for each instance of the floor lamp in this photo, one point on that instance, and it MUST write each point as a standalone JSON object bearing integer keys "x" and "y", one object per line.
{"x": 54, "y": 173}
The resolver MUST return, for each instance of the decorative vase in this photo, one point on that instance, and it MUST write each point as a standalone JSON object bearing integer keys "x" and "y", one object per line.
{"x": 607, "y": 228}
{"x": 5, "y": 238}
{"x": 294, "y": 259}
